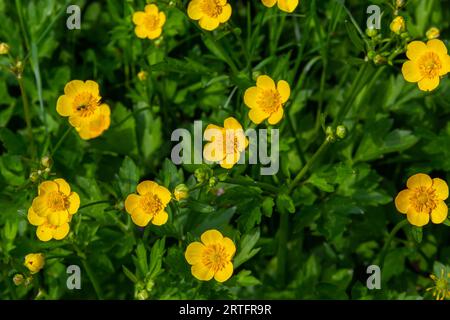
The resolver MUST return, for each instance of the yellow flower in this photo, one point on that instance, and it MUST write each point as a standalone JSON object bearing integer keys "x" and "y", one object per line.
{"x": 398, "y": 25}
{"x": 34, "y": 262}
{"x": 210, "y": 13}
{"x": 441, "y": 288}
{"x": 423, "y": 198}
{"x": 428, "y": 62}
{"x": 149, "y": 204}
{"x": 52, "y": 210}
{"x": 142, "y": 75}
{"x": 226, "y": 144}
{"x": 211, "y": 257}
{"x": 4, "y": 48}
{"x": 149, "y": 23}
{"x": 284, "y": 5}
{"x": 81, "y": 103}
{"x": 266, "y": 101}
{"x": 181, "y": 192}
{"x": 433, "y": 33}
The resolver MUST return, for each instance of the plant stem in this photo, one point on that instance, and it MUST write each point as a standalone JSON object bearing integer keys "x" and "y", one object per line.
{"x": 60, "y": 141}
{"x": 26, "y": 110}
{"x": 262, "y": 185}
{"x": 393, "y": 232}
{"x": 94, "y": 204}
{"x": 308, "y": 165}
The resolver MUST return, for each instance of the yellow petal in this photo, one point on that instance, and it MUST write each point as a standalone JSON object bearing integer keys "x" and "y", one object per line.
{"x": 251, "y": 96}
{"x": 61, "y": 232}
{"x": 441, "y": 188}
{"x": 163, "y": 194}
{"x": 287, "y": 5}
{"x": 418, "y": 219}
{"x": 427, "y": 84}
{"x": 229, "y": 246}
{"x": 419, "y": 180}
{"x": 44, "y": 232}
{"x": 411, "y": 72}
{"x": 63, "y": 186}
{"x": 415, "y": 49}
{"x": 202, "y": 272}
{"x": 226, "y": 13}
{"x": 257, "y": 116}
{"x": 131, "y": 202}
{"x": 75, "y": 121}
{"x": 92, "y": 87}
{"x": 439, "y": 214}
{"x": 402, "y": 201}
{"x": 284, "y": 90}
{"x": 39, "y": 206}
{"x": 160, "y": 218}
{"x": 151, "y": 9}
{"x": 276, "y": 116}
{"x": 154, "y": 33}
{"x": 230, "y": 160}
{"x": 74, "y": 202}
{"x": 138, "y": 17}
{"x": 47, "y": 186}
{"x": 194, "y": 10}
{"x": 74, "y": 87}
{"x": 213, "y": 152}
{"x": 214, "y": 133}
{"x": 269, "y": 3}
{"x": 224, "y": 274}
{"x": 34, "y": 219}
{"x": 265, "y": 82}
{"x": 162, "y": 19}
{"x": 208, "y": 23}
{"x": 141, "y": 32}
{"x": 146, "y": 187}
{"x": 58, "y": 218}
{"x": 194, "y": 253}
{"x": 140, "y": 218}
{"x": 211, "y": 237}
{"x": 438, "y": 46}
{"x": 232, "y": 123}
{"x": 64, "y": 106}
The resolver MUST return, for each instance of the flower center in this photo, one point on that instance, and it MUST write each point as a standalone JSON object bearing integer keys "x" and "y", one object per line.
{"x": 215, "y": 257}
{"x": 56, "y": 201}
{"x": 269, "y": 101}
{"x": 85, "y": 104}
{"x": 424, "y": 200}
{"x": 151, "y": 203}
{"x": 151, "y": 22}
{"x": 430, "y": 65}
{"x": 211, "y": 8}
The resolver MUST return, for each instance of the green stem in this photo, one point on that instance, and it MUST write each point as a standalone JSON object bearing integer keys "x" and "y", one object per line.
{"x": 262, "y": 185}
{"x": 308, "y": 165}
{"x": 60, "y": 141}
{"x": 393, "y": 232}
{"x": 26, "y": 110}
{"x": 94, "y": 204}
{"x": 135, "y": 112}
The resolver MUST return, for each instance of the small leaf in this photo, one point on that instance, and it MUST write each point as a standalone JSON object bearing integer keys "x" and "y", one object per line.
{"x": 285, "y": 204}
{"x": 417, "y": 234}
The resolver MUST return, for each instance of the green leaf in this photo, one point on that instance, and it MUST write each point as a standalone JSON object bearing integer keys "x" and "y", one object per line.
{"x": 128, "y": 177}
{"x": 321, "y": 183}
{"x": 267, "y": 206}
{"x": 141, "y": 255}
{"x": 129, "y": 274}
{"x": 417, "y": 234}
{"x": 447, "y": 222}
{"x": 246, "y": 247}
{"x": 285, "y": 203}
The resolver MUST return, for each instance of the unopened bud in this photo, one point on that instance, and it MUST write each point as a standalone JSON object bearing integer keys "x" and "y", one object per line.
{"x": 34, "y": 176}
{"x": 433, "y": 33}
{"x": 142, "y": 75}
{"x": 181, "y": 192}
{"x": 18, "y": 279}
{"x": 4, "y": 48}
{"x": 341, "y": 132}
{"x": 379, "y": 59}
{"x": 46, "y": 162}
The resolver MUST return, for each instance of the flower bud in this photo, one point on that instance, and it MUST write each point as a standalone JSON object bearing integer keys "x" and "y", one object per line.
{"x": 18, "y": 279}
{"x": 398, "y": 25}
{"x": 34, "y": 176}
{"x": 371, "y": 32}
{"x": 46, "y": 161}
{"x": 341, "y": 132}
{"x": 142, "y": 75}
{"x": 181, "y": 192}
{"x": 433, "y": 33}
{"x": 202, "y": 174}
{"x": 4, "y": 48}
{"x": 212, "y": 182}
{"x": 142, "y": 295}
{"x": 379, "y": 59}
{"x": 34, "y": 262}
{"x": 330, "y": 134}
{"x": 399, "y": 3}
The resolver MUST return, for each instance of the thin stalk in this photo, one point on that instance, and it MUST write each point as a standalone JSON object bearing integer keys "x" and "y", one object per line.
{"x": 393, "y": 232}
{"x": 94, "y": 204}
{"x": 60, "y": 141}
{"x": 26, "y": 110}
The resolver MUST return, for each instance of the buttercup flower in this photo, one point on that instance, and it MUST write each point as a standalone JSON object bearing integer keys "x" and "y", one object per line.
{"x": 52, "y": 210}
{"x": 433, "y": 33}
{"x": 424, "y": 198}
{"x": 34, "y": 262}
{"x": 226, "y": 144}
{"x": 428, "y": 63}
{"x": 211, "y": 257}
{"x": 149, "y": 23}
{"x": 210, "y": 13}
{"x": 142, "y": 75}
{"x": 266, "y": 100}
{"x": 4, "y": 48}
{"x": 81, "y": 103}
{"x": 284, "y": 5}
{"x": 149, "y": 204}
{"x": 398, "y": 25}
{"x": 441, "y": 288}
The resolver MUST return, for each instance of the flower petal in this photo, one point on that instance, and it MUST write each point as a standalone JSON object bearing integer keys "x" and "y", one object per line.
{"x": 131, "y": 202}
{"x": 257, "y": 116}
{"x": 63, "y": 186}
{"x": 419, "y": 180}
{"x": 61, "y": 232}
{"x": 146, "y": 187}
{"x": 411, "y": 72}
{"x": 44, "y": 232}
{"x": 211, "y": 237}
{"x": 415, "y": 49}
{"x": 250, "y": 97}
{"x": 47, "y": 186}
{"x": 284, "y": 90}
{"x": 202, "y": 272}
{"x": 208, "y": 23}
{"x": 194, "y": 253}
{"x": 163, "y": 194}
{"x": 160, "y": 218}
{"x": 287, "y": 5}
{"x": 229, "y": 246}
{"x": 233, "y": 124}
{"x": 269, "y": 3}
{"x": 402, "y": 201}
{"x": 74, "y": 87}
{"x": 224, "y": 274}
{"x": 194, "y": 10}
{"x": 226, "y": 13}
{"x": 429, "y": 84}
{"x": 151, "y": 9}
{"x": 162, "y": 19}
{"x": 64, "y": 106}
{"x": 74, "y": 202}
{"x": 34, "y": 219}
{"x": 439, "y": 214}
{"x": 154, "y": 33}
{"x": 418, "y": 219}
{"x": 140, "y": 217}
{"x": 141, "y": 32}
{"x": 265, "y": 82}
{"x": 441, "y": 188}
{"x": 438, "y": 46}
{"x": 276, "y": 116}
{"x": 138, "y": 17}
